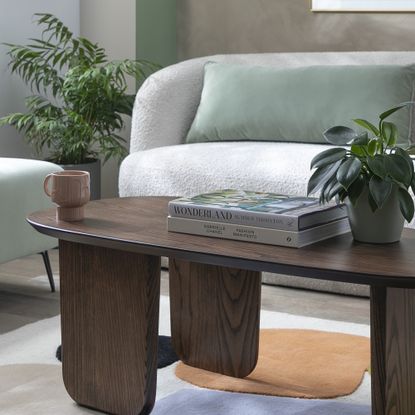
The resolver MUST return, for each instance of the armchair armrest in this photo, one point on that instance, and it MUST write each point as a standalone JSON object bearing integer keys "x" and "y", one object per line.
{"x": 165, "y": 106}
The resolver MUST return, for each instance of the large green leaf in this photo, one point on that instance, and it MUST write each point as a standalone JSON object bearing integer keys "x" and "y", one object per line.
{"x": 321, "y": 176}
{"x": 348, "y": 172}
{"x": 334, "y": 190}
{"x": 330, "y": 189}
{"x": 340, "y": 135}
{"x": 356, "y": 189}
{"x": 372, "y": 146}
{"x": 394, "y": 109}
{"x": 398, "y": 169}
{"x": 328, "y": 157}
{"x": 361, "y": 140}
{"x": 372, "y": 203}
{"x": 326, "y": 188}
{"x": 368, "y": 125}
{"x": 380, "y": 190}
{"x": 406, "y": 204}
{"x": 404, "y": 154}
{"x": 358, "y": 150}
{"x": 389, "y": 133}
{"x": 377, "y": 165}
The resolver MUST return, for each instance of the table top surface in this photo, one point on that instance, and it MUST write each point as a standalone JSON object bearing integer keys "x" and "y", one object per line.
{"x": 140, "y": 225}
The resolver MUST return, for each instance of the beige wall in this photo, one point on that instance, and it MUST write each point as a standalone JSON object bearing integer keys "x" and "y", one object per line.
{"x": 233, "y": 26}
{"x": 112, "y": 25}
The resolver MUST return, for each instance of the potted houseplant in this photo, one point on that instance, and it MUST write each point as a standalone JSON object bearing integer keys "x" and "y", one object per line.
{"x": 80, "y": 98}
{"x": 372, "y": 176}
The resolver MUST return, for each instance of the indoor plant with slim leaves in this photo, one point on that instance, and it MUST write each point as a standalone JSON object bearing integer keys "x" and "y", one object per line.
{"x": 372, "y": 176}
{"x": 80, "y": 97}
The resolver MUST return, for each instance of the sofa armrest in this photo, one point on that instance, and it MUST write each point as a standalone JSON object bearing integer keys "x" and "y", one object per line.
{"x": 21, "y": 191}
{"x": 165, "y": 106}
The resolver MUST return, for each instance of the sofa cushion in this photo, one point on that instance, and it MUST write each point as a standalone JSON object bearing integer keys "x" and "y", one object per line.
{"x": 241, "y": 102}
{"x": 188, "y": 169}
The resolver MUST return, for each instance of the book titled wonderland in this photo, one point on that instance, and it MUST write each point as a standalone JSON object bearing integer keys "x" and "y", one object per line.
{"x": 259, "y": 209}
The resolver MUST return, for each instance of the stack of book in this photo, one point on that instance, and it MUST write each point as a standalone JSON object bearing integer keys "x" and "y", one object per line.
{"x": 267, "y": 218}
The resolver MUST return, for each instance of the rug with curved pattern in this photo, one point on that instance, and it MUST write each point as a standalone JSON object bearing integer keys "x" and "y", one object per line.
{"x": 295, "y": 363}
{"x": 31, "y": 378}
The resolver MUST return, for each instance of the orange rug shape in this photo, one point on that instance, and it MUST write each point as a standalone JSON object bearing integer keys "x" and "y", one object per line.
{"x": 295, "y": 363}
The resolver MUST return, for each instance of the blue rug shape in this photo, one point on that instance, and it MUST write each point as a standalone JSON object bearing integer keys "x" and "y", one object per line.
{"x": 204, "y": 402}
{"x": 166, "y": 354}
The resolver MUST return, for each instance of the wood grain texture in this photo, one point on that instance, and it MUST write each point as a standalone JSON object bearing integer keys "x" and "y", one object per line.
{"x": 377, "y": 346}
{"x": 109, "y": 307}
{"x": 393, "y": 357}
{"x": 400, "y": 352}
{"x": 215, "y": 316}
{"x": 139, "y": 225}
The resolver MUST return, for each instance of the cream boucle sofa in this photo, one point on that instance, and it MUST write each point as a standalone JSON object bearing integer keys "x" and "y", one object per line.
{"x": 160, "y": 164}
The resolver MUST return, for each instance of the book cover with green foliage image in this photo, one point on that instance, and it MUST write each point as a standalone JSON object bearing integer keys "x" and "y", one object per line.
{"x": 249, "y": 201}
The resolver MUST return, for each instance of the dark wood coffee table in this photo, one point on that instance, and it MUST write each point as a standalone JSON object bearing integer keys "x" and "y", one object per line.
{"x": 110, "y": 276}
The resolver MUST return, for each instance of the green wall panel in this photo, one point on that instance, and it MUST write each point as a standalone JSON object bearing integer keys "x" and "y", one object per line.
{"x": 156, "y": 31}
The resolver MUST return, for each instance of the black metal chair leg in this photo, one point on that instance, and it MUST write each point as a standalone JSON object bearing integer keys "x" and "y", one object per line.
{"x": 46, "y": 261}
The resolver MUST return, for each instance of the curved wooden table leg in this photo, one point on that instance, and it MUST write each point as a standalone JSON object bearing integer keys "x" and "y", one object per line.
{"x": 109, "y": 305}
{"x": 215, "y": 316}
{"x": 393, "y": 350}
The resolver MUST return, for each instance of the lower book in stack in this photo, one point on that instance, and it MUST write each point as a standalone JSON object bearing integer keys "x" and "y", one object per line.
{"x": 295, "y": 239}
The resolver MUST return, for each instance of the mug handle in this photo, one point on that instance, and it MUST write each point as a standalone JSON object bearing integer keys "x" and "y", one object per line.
{"x": 46, "y": 183}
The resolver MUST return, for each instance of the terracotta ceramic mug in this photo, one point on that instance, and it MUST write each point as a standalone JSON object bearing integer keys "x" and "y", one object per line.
{"x": 70, "y": 190}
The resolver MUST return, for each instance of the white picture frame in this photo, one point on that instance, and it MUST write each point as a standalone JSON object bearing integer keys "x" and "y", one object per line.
{"x": 385, "y": 6}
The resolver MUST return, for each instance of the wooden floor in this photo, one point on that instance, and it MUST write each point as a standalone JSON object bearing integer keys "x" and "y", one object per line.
{"x": 25, "y": 297}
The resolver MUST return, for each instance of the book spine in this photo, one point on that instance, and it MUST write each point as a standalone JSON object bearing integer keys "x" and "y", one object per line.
{"x": 239, "y": 217}
{"x": 232, "y": 231}
{"x": 259, "y": 235}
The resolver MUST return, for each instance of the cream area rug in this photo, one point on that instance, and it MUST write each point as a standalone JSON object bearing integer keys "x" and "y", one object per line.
{"x": 30, "y": 375}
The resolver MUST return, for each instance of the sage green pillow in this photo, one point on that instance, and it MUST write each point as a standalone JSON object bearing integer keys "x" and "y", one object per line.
{"x": 242, "y": 102}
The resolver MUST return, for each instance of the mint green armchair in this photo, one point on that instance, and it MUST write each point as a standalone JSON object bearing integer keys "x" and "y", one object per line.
{"x": 21, "y": 192}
